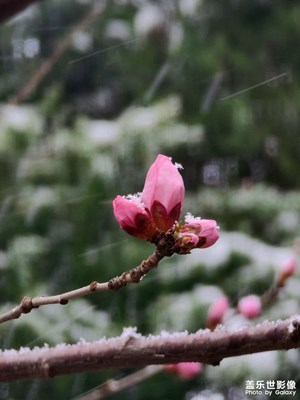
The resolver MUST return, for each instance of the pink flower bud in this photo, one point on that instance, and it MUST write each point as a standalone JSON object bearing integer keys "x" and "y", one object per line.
{"x": 208, "y": 234}
{"x": 163, "y": 192}
{"x": 198, "y": 233}
{"x": 250, "y": 306}
{"x": 133, "y": 218}
{"x": 157, "y": 210}
{"x": 216, "y": 312}
{"x": 287, "y": 269}
{"x": 185, "y": 370}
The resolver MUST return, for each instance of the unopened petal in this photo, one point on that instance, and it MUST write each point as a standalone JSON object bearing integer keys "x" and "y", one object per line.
{"x": 164, "y": 189}
{"x": 132, "y": 218}
{"x": 205, "y": 229}
{"x": 209, "y": 232}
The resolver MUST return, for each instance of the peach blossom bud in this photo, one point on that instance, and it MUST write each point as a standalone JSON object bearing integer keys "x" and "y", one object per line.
{"x": 250, "y": 306}
{"x": 287, "y": 269}
{"x": 216, "y": 312}
{"x": 197, "y": 233}
{"x": 157, "y": 210}
{"x": 185, "y": 370}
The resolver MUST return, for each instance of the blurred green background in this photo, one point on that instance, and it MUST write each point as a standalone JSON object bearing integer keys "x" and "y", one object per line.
{"x": 216, "y": 86}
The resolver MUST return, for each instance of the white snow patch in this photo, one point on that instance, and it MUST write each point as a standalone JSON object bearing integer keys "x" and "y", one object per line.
{"x": 189, "y": 218}
{"x": 178, "y": 166}
{"x": 171, "y": 335}
{"x": 136, "y": 198}
{"x": 291, "y": 328}
{"x": 130, "y": 332}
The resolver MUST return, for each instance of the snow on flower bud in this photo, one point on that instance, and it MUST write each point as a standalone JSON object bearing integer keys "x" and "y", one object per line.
{"x": 250, "y": 306}
{"x": 163, "y": 192}
{"x": 185, "y": 370}
{"x": 216, "y": 312}
{"x": 157, "y": 209}
{"x": 132, "y": 217}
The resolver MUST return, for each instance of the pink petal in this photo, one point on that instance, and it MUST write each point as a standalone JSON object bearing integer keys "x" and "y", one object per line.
{"x": 209, "y": 232}
{"x": 205, "y": 229}
{"x": 163, "y": 192}
{"x": 132, "y": 218}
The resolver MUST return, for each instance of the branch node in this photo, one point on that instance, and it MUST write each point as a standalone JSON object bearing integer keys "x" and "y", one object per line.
{"x": 117, "y": 282}
{"x": 46, "y": 370}
{"x": 63, "y": 301}
{"x": 93, "y": 286}
{"x": 135, "y": 275}
{"x": 26, "y": 305}
{"x": 165, "y": 246}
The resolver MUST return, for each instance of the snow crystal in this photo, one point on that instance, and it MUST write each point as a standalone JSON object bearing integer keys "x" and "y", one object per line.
{"x": 168, "y": 335}
{"x": 178, "y": 166}
{"x": 291, "y": 326}
{"x": 189, "y": 218}
{"x": 135, "y": 198}
{"x": 203, "y": 331}
{"x": 130, "y": 332}
{"x": 9, "y": 352}
{"x": 62, "y": 345}
{"x": 82, "y": 341}
{"x": 24, "y": 350}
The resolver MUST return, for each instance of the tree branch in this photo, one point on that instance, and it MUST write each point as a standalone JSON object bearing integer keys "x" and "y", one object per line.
{"x": 132, "y": 276}
{"x": 113, "y": 386}
{"x": 131, "y": 350}
{"x": 45, "y": 68}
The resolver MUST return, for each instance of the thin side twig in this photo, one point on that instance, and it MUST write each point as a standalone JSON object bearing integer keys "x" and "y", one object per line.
{"x": 131, "y": 350}
{"x": 132, "y": 276}
{"x": 113, "y": 386}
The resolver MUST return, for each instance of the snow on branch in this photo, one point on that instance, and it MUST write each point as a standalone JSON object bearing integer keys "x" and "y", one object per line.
{"x": 132, "y": 350}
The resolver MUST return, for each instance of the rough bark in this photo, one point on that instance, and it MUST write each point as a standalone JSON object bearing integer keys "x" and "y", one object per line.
{"x": 132, "y": 350}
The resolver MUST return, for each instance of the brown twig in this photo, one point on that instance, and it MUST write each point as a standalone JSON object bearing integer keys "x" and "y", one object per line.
{"x": 131, "y": 350}
{"x": 132, "y": 276}
{"x": 113, "y": 386}
{"x": 47, "y": 66}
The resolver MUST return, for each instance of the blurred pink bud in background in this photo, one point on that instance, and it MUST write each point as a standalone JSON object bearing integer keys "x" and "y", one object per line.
{"x": 250, "y": 306}
{"x": 287, "y": 269}
{"x": 216, "y": 312}
{"x": 185, "y": 370}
